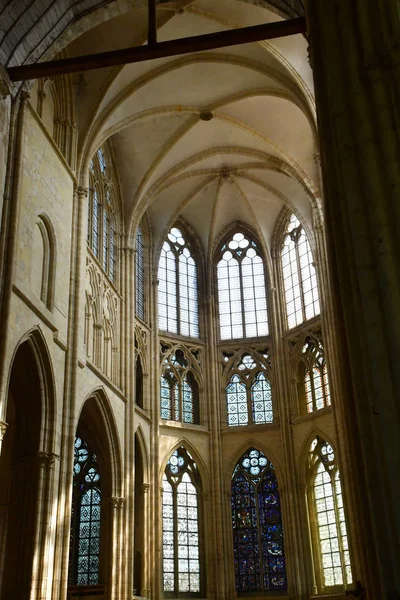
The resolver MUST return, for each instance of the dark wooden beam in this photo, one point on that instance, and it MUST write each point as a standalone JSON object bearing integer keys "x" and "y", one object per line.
{"x": 200, "y": 43}
{"x": 152, "y": 23}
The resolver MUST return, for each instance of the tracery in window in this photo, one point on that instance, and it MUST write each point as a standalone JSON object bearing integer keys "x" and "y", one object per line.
{"x": 299, "y": 276}
{"x": 85, "y": 520}
{"x": 258, "y": 541}
{"x": 315, "y": 375}
{"x": 241, "y": 289}
{"x": 330, "y": 534}
{"x": 179, "y": 390}
{"x": 181, "y": 559}
{"x": 102, "y": 213}
{"x": 248, "y": 392}
{"x": 140, "y": 291}
{"x": 177, "y": 287}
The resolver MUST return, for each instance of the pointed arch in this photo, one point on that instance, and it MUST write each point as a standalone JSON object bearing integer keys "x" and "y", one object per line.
{"x": 37, "y": 344}
{"x": 241, "y": 283}
{"x": 145, "y": 453}
{"x": 105, "y": 223}
{"x": 45, "y": 269}
{"x": 252, "y": 442}
{"x": 305, "y": 449}
{"x": 105, "y": 423}
{"x": 201, "y": 465}
{"x": 182, "y": 525}
{"x": 293, "y": 245}
{"x": 179, "y": 387}
{"x": 329, "y": 539}
{"x": 27, "y": 451}
{"x": 97, "y": 475}
{"x": 178, "y": 283}
{"x": 258, "y": 537}
{"x": 311, "y": 372}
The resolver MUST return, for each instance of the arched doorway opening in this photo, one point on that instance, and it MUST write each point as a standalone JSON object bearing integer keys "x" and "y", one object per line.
{"x": 19, "y": 476}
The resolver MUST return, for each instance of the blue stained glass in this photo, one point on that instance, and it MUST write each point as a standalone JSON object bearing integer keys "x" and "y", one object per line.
{"x": 86, "y": 509}
{"x": 259, "y": 554}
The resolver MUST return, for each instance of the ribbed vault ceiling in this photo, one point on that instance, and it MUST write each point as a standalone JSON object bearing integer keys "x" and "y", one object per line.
{"x": 30, "y": 30}
{"x": 254, "y": 157}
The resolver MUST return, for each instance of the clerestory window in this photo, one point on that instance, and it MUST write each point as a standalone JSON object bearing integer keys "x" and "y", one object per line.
{"x": 242, "y": 298}
{"x": 299, "y": 276}
{"x": 102, "y": 213}
{"x": 177, "y": 287}
{"x": 140, "y": 277}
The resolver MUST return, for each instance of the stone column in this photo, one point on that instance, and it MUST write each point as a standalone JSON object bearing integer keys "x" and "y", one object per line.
{"x": 219, "y": 564}
{"x": 126, "y": 381}
{"x": 355, "y": 55}
{"x": 68, "y": 422}
{"x": 146, "y": 563}
{"x": 9, "y": 224}
{"x": 116, "y": 575}
{"x": 42, "y": 569}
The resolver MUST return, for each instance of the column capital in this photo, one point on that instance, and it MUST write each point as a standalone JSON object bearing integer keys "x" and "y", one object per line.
{"x": 146, "y": 487}
{"x": 116, "y": 501}
{"x": 3, "y": 429}
{"x": 81, "y": 192}
{"x": 24, "y": 96}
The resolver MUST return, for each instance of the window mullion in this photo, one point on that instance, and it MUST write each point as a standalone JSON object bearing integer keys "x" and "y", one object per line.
{"x": 177, "y": 285}
{"x": 176, "y": 561}
{"x": 339, "y": 531}
{"x": 303, "y": 308}
{"x": 314, "y": 400}
{"x": 242, "y": 299}
{"x": 260, "y": 557}
{"x": 249, "y": 402}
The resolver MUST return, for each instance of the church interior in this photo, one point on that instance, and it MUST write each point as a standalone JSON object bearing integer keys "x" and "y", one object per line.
{"x": 199, "y": 300}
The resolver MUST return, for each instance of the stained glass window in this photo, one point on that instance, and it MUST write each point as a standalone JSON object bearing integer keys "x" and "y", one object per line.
{"x": 258, "y": 542}
{"x": 333, "y": 556}
{"x": 180, "y": 526}
{"x": 248, "y": 394}
{"x": 95, "y": 224}
{"x": 85, "y": 525}
{"x": 101, "y": 237}
{"x": 139, "y": 274}
{"x": 236, "y": 401}
{"x": 261, "y": 400}
{"x": 177, "y": 287}
{"x": 316, "y": 382}
{"x": 241, "y": 289}
{"x": 179, "y": 397}
{"x": 299, "y": 276}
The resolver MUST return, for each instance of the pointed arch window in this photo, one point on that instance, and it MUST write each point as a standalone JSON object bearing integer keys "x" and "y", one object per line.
{"x": 102, "y": 213}
{"x": 179, "y": 391}
{"x": 177, "y": 287}
{"x": 241, "y": 289}
{"x": 299, "y": 276}
{"x": 181, "y": 558}
{"x": 330, "y": 541}
{"x": 85, "y": 522}
{"x": 258, "y": 543}
{"x": 248, "y": 394}
{"x": 315, "y": 375}
{"x": 140, "y": 291}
